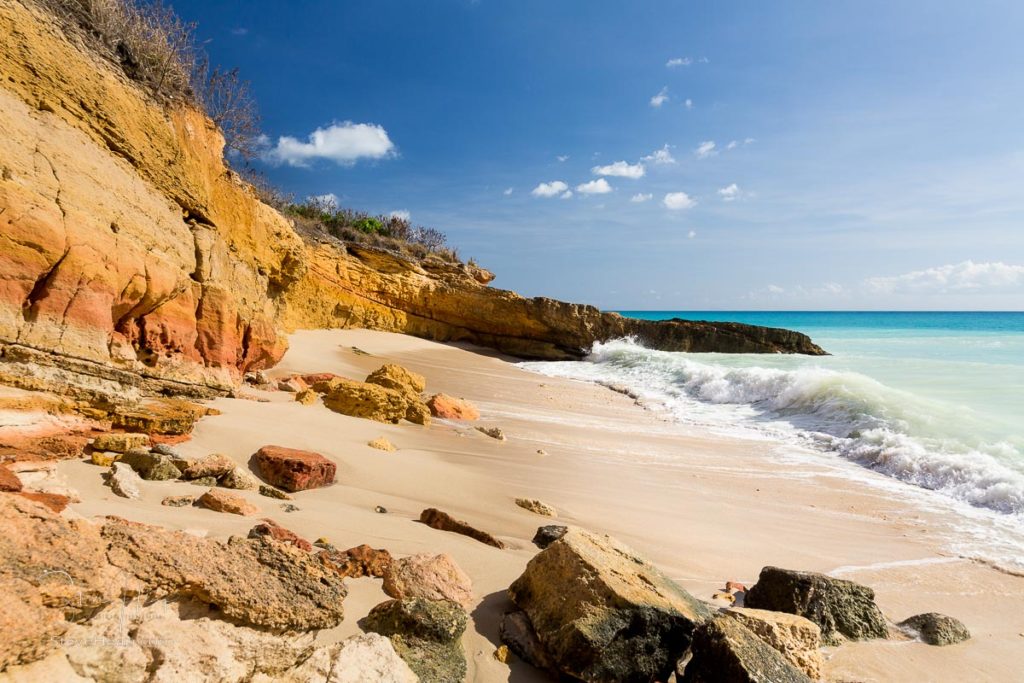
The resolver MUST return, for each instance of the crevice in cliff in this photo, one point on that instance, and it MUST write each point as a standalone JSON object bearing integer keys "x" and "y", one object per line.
{"x": 41, "y": 289}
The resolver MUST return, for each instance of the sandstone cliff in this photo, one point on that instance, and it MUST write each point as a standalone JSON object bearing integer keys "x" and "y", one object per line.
{"x": 132, "y": 258}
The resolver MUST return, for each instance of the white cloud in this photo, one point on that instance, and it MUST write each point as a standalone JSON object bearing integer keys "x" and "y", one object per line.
{"x": 402, "y": 214}
{"x": 688, "y": 103}
{"x": 678, "y": 200}
{"x": 343, "y": 143}
{"x": 329, "y": 201}
{"x": 732, "y": 144}
{"x": 562, "y": 157}
{"x": 706, "y": 149}
{"x": 554, "y": 188}
{"x": 620, "y": 169}
{"x": 566, "y": 195}
{"x": 641, "y": 197}
{"x": 729, "y": 192}
{"x": 508, "y": 191}
{"x": 748, "y": 141}
{"x": 691, "y": 234}
{"x": 661, "y": 98}
{"x": 678, "y": 61}
{"x": 599, "y": 186}
{"x": 661, "y": 156}
{"x": 966, "y": 276}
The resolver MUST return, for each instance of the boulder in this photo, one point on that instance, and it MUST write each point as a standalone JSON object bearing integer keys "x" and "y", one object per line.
{"x": 292, "y": 469}
{"x": 796, "y": 638}
{"x": 221, "y": 501}
{"x": 124, "y": 481}
{"x": 240, "y": 479}
{"x": 270, "y": 529}
{"x": 396, "y": 377}
{"x": 724, "y": 649}
{"x": 537, "y": 507}
{"x": 437, "y": 519}
{"x": 306, "y": 397}
{"x": 164, "y": 416}
{"x": 546, "y": 535}
{"x": 178, "y": 501}
{"x": 382, "y": 444}
{"x": 150, "y": 466}
{"x": 359, "y": 561}
{"x": 120, "y": 443}
{"x": 166, "y": 449}
{"x": 493, "y": 432}
{"x": 451, "y": 408}
{"x": 841, "y": 608}
{"x": 374, "y": 402}
{"x": 256, "y": 582}
{"x": 603, "y": 613}
{"x": 104, "y": 458}
{"x": 57, "y": 502}
{"x": 936, "y": 629}
{"x": 426, "y": 634}
{"x": 369, "y": 658}
{"x": 517, "y": 633}
{"x": 434, "y": 577}
{"x": 214, "y": 465}
{"x": 9, "y": 481}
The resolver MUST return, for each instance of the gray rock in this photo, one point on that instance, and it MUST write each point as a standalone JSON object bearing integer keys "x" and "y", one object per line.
{"x": 517, "y": 632}
{"x": 271, "y": 492}
{"x": 426, "y": 634}
{"x": 546, "y": 535}
{"x": 936, "y": 629}
{"x": 843, "y": 609}
{"x": 151, "y": 466}
{"x": 207, "y": 482}
{"x": 726, "y": 651}
{"x": 165, "y": 449}
{"x": 239, "y": 479}
{"x": 124, "y": 481}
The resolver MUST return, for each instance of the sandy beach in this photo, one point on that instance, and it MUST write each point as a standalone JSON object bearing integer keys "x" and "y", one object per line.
{"x": 705, "y": 508}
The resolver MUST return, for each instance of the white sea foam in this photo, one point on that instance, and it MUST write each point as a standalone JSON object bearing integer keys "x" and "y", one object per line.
{"x": 904, "y": 435}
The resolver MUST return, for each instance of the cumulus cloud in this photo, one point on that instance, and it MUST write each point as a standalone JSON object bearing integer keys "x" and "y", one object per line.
{"x": 599, "y": 186}
{"x": 661, "y": 98}
{"x": 508, "y": 191}
{"x": 641, "y": 197}
{"x": 706, "y": 149}
{"x": 620, "y": 169}
{"x": 552, "y": 189}
{"x": 688, "y": 103}
{"x": 343, "y": 143}
{"x": 729, "y": 192}
{"x": 966, "y": 276}
{"x": 402, "y": 214}
{"x": 678, "y": 61}
{"x": 328, "y": 201}
{"x": 678, "y": 200}
{"x": 661, "y": 156}
{"x": 566, "y": 195}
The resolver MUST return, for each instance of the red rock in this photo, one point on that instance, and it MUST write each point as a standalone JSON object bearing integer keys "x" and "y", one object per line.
{"x": 321, "y": 378}
{"x": 272, "y": 529}
{"x": 54, "y": 501}
{"x": 437, "y": 519}
{"x": 8, "y": 480}
{"x": 359, "y": 561}
{"x": 219, "y": 500}
{"x": 451, "y": 408}
{"x": 294, "y": 470}
{"x": 735, "y": 587}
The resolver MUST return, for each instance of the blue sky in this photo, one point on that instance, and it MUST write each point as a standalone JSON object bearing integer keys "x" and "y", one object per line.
{"x": 867, "y": 155}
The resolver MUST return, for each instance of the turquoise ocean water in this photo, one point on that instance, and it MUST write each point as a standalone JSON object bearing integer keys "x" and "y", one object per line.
{"x": 932, "y": 400}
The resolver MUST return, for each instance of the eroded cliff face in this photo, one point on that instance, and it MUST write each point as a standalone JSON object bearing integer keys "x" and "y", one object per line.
{"x": 133, "y": 260}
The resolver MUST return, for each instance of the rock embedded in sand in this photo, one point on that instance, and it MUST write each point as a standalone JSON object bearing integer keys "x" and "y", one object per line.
{"x": 272, "y": 529}
{"x": 434, "y": 577}
{"x": 293, "y": 384}
{"x": 426, "y": 634}
{"x": 150, "y": 466}
{"x": 257, "y": 582}
{"x": 603, "y": 613}
{"x": 451, "y": 408}
{"x": 219, "y": 500}
{"x": 205, "y": 482}
{"x": 306, "y": 397}
{"x": 178, "y": 501}
{"x": 214, "y": 465}
{"x": 240, "y": 479}
{"x": 546, "y": 535}
{"x": 723, "y": 649}
{"x": 391, "y": 376}
{"x": 292, "y": 469}
{"x": 437, "y": 519}
{"x": 796, "y": 638}
{"x": 493, "y": 432}
{"x": 9, "y": 481}
{"x": 841, "y": 608}
{"x": 382, "y": 444}
{"x": 374, "y": 402}
{"x": 120, "y": 443}
{"x": 936, "y": 629}
{"x": 359, "y": 561}
{"x": 537, "y": 507}
{"x": 104, "y": 458}
{"x": 271, "y": 492}
{"x": 166, "y": 416}
{"x": 517, "y": 633}
{"x": 124, "y": 481}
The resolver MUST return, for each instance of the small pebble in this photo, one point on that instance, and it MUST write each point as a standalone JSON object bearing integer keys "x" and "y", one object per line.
{"x": 381, "y": 509}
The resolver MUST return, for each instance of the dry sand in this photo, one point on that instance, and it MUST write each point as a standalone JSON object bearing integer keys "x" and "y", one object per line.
{"x": 705, "y": 508}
